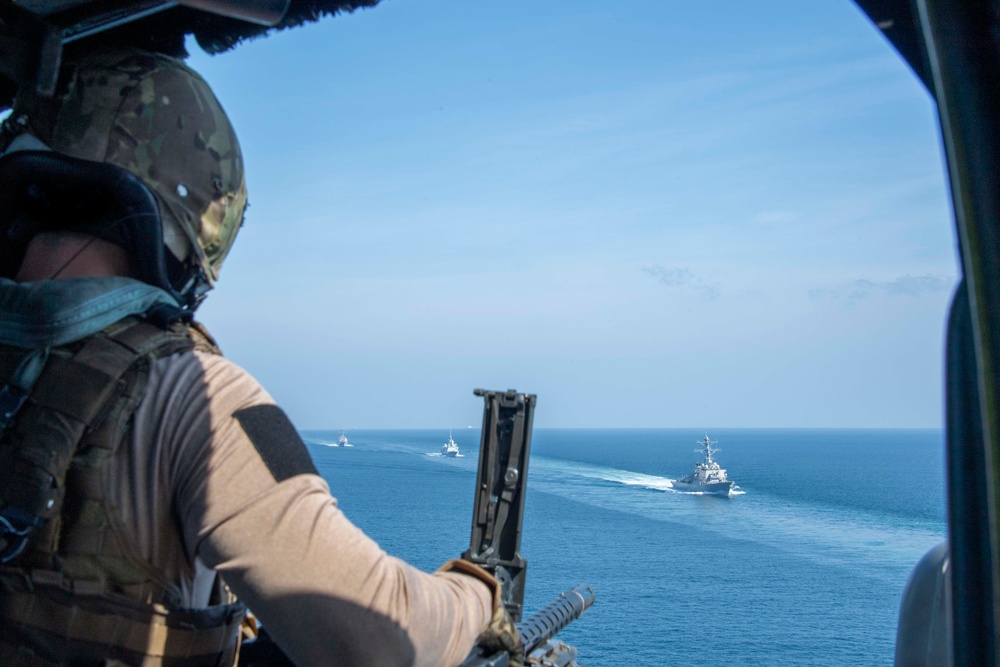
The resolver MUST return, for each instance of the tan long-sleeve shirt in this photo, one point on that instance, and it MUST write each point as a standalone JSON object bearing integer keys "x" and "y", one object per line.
{"x": 197, "y": 497}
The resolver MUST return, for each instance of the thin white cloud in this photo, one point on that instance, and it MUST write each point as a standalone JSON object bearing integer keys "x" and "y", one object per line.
{"x": 907, "y": 286}
{"x": 683, "y": 278}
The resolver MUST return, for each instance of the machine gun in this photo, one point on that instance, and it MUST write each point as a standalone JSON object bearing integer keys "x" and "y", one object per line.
{"x": 538, "y": 632}
{"x": 495, "y": 542}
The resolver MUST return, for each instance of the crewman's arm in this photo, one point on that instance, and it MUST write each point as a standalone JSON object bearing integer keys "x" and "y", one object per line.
{"x": 252, "y": 506}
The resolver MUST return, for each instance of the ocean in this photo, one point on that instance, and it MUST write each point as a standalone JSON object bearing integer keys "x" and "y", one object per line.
{"x": 805, "y": 567}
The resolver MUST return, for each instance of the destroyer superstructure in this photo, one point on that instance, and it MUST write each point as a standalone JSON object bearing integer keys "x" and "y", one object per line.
{"x": 450, "y": 448}
{"x": 708, "y": 476}
{"x": 342, "y": 441}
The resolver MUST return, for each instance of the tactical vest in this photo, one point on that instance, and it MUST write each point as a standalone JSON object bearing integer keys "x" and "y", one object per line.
{"x": 72, "y": 591}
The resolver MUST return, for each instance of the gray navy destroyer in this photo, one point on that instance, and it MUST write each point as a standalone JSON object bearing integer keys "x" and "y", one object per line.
{"x": 450, "y": 448}
{"x": 708, "y": 476}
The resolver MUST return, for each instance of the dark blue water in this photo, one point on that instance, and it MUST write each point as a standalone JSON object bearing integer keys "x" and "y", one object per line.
{"x": 805, "y": 568}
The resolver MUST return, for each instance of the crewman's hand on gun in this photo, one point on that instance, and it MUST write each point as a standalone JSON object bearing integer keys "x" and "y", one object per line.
{"x": 501, "y": 634}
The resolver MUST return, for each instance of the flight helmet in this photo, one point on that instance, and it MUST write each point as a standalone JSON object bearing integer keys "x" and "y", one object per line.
{"x": 134, "y": 148}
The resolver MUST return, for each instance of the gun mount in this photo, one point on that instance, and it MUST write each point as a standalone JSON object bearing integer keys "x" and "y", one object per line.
{"x": 498, "y": 511}
{"x": 495, "y": 542}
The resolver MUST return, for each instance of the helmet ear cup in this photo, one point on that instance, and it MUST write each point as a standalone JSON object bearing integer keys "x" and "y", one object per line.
{"x": 44, "y": 191}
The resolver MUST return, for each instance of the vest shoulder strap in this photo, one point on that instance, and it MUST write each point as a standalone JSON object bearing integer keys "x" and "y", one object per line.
{"x": 78, "y": 593}
{"x": 81, "y": 386}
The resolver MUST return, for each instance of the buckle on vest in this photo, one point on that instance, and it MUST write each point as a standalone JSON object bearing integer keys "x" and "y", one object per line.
{"x": 16, "y": 528}
{"x": 15, "y": 393}
{"x": 11, "y": 401}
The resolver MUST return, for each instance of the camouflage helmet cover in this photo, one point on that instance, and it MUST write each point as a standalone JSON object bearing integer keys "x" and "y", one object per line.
{"x": 157, "y": 118}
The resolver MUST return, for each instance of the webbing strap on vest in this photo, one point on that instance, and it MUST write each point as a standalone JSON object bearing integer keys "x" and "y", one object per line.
{"x": 75, "y": 591}
{"x": 60, "y": 622}
{"x": 76, "y": 391}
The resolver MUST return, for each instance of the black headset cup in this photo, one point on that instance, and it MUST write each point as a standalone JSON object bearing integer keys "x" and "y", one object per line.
{"x": 44, "y": 191}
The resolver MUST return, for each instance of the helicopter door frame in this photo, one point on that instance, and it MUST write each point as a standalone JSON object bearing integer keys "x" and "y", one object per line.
{"x": 962, "y": 58}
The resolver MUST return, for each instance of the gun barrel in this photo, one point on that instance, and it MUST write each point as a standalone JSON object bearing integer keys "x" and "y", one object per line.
{"x": 548, "y": 621}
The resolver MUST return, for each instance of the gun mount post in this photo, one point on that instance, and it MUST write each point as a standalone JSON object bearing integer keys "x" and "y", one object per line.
{"x": 498, "y": 512}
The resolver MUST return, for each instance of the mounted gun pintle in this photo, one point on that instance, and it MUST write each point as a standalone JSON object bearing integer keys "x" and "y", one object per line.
{"x": 495, "y": 544}
{"x": 498, "y": 512}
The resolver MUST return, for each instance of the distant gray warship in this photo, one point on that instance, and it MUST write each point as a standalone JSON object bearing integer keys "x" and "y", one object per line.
{"x": 450, "y": 448}
{"x": 707, "y": 477}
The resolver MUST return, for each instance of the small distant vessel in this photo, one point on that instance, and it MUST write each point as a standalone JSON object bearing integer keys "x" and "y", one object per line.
{"x": 342, "y": 441}
{"x": 449, "y": 448}
{"x": 707, "y": 477}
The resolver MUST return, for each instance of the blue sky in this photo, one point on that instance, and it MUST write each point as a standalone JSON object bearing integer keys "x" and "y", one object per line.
{"x": 660, "y": 214}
